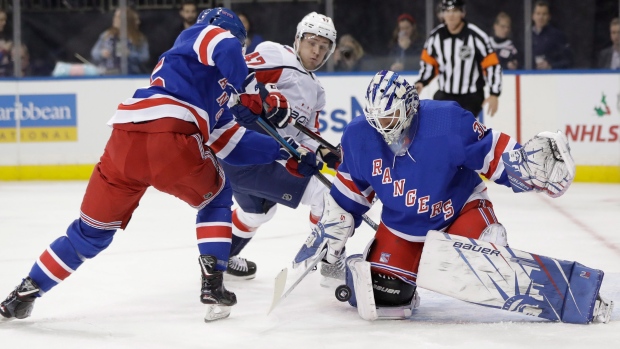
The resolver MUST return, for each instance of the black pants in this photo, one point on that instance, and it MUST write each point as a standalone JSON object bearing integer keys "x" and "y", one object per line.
{"x": 471, "y": 101}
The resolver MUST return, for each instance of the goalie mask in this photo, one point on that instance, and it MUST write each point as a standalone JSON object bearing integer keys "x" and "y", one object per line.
{"x": 317, "y": 24}
{"x": 225, "y": 19}
{"x": 391, "y": 105}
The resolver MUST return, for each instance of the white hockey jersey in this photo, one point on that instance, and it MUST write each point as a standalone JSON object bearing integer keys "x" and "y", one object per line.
{"x": 278, "y": 64}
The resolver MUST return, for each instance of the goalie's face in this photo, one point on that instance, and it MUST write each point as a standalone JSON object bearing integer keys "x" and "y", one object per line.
{"x": 390, "y": 124}
{"x": 312, "y": 50}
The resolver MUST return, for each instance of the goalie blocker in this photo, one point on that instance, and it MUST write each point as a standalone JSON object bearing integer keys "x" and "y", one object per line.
{"x": 486, "y": 274}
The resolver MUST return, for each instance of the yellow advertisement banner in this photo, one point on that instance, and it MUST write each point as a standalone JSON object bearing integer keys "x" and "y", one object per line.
{"x": 39, "y": 134}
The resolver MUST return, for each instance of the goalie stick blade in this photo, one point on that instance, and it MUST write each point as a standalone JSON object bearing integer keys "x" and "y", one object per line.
{"x": 278, "y": 289}
{"x": 217, "y": 312}
{"x": 281, "y": 281}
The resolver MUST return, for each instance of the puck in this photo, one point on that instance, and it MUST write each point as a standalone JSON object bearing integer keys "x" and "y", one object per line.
{"x": 343, "y": 293}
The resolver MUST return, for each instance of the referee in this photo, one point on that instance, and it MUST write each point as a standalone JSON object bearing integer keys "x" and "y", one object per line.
{"x": 461, "y": 54}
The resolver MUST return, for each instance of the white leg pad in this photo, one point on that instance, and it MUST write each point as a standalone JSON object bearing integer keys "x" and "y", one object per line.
{"x": 360, "y": 270}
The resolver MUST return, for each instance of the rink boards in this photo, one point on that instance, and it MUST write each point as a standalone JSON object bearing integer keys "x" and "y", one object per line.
{"x": 56, "y": 128}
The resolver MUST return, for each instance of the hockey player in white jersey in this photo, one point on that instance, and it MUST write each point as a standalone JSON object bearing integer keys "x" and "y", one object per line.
{"x": 438, "y": 230}
{"x": 258, "y": 189}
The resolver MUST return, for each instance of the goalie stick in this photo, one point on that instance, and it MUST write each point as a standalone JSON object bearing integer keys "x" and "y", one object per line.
{"x": 318, "y": 138}
{"x": 280, "y": 280}
{"x": 279, "y": 294}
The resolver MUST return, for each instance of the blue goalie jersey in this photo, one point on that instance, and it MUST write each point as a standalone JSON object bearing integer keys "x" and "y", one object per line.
{"x": 427, "y": 187}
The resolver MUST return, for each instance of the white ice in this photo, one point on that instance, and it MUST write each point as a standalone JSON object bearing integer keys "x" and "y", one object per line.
{"x": 142, "y": 292}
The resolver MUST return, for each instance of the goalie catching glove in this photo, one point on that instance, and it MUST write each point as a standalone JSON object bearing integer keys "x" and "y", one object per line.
{"x": 331, "y": 233}
{"x": 260, "y": 100}
{"x": 544, "y": 164}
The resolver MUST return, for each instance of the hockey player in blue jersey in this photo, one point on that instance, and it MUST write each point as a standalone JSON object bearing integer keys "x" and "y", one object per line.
{"x": 259, "y": 189}
{"x": 423, "y": 161}
{"x": 170, "y": 135}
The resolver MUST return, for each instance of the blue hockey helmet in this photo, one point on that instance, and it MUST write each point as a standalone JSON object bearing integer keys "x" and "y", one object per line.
{"x": 225, "y": 19}
{"x": 391, "y": 104}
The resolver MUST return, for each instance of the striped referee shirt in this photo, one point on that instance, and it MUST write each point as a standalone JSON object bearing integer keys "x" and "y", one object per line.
{"x": 463, "y": 61}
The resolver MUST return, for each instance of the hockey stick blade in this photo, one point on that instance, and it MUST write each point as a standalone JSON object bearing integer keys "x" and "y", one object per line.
{"x": 279, "y": 294}
{"x": 278, "y": 289}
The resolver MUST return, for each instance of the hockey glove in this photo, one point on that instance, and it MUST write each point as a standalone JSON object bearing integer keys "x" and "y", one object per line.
{"x": 306, "y": 166}
{"x": 331, "y": 233}
{"x": 330, "y": 159}
{"x": 249, "y": 106}
{"x": 275, "y": 105}
{"x": 544, "y": 164}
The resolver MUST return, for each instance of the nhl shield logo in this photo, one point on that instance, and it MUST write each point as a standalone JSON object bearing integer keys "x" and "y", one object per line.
{"x": 465, "y": 53}
{"x": 385, "y": 257}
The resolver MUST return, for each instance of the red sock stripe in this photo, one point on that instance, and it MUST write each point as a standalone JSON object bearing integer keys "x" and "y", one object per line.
{"x": 214, "y": 231}
{"x": 53, "y": 266}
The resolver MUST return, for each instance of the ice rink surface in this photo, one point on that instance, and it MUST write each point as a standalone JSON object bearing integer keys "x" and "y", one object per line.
{"x": 142, "y": 292}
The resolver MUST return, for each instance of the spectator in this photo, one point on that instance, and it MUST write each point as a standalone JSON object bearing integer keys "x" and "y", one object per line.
{"x": 253, "y": 39}
{"x": 6, "y": 43}
{"x": 405, "y": 46}
{"x": 189, "y": 13}
{"x": 550, "y": 49}
{"x": 348, "y": 56}
{"x": 107, "y": 51}
{"x": 463, "y": 70}
{"x": 503, "y": 46}
{"x": 609, "y": 58}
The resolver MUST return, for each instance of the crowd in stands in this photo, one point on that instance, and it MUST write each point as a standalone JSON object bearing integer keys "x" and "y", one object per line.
{"x": 550, "y": 46}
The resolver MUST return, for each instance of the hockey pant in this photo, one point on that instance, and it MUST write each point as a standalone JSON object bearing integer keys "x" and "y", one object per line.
{"x": 174, "y": 163}
{"x": 258, "y": 189}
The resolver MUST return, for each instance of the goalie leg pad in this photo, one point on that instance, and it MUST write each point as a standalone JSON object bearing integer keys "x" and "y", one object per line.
{"x": 500, "y": 277}
{"x": 399, "y": 298}
{"x": 360, "y": 282}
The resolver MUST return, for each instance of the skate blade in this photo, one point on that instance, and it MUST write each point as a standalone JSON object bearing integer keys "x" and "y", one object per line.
{"x": 230, "y": 277}
{"x": 217, "y": 312}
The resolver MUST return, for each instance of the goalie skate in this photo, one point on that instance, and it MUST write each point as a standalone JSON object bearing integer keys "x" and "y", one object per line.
{"x": 602, "y": 310}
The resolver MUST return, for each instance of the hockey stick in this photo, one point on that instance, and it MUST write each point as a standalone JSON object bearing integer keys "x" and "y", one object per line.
{"x": 279, "y": 294}
{"x": 318, "y": 138}
{"x": 273, "y": 133}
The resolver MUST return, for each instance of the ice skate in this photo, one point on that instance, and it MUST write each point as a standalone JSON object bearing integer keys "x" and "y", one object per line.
{"x": 602, "y": 310}
{"x": 240, "y": 269}
{"x": 20, "y": 302}
{"x": 333, "y": 275}
{"x": 213, "y": 293}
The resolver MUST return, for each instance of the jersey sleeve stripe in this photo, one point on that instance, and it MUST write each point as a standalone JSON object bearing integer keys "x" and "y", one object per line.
{"x": 225, "y": 139}
{"x": 206, "y": 42}
{"x": 495, "y": 160}
{"x": 350, "y": 190}
{"x": 269, "y": 76}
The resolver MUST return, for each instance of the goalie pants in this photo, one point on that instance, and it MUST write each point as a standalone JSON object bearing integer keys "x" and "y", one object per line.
{"x": 392, "y": 255}
{"x": 167, "y": 155}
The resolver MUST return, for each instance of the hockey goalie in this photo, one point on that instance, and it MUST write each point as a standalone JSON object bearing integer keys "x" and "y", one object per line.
{"x": 438, "y": 229}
